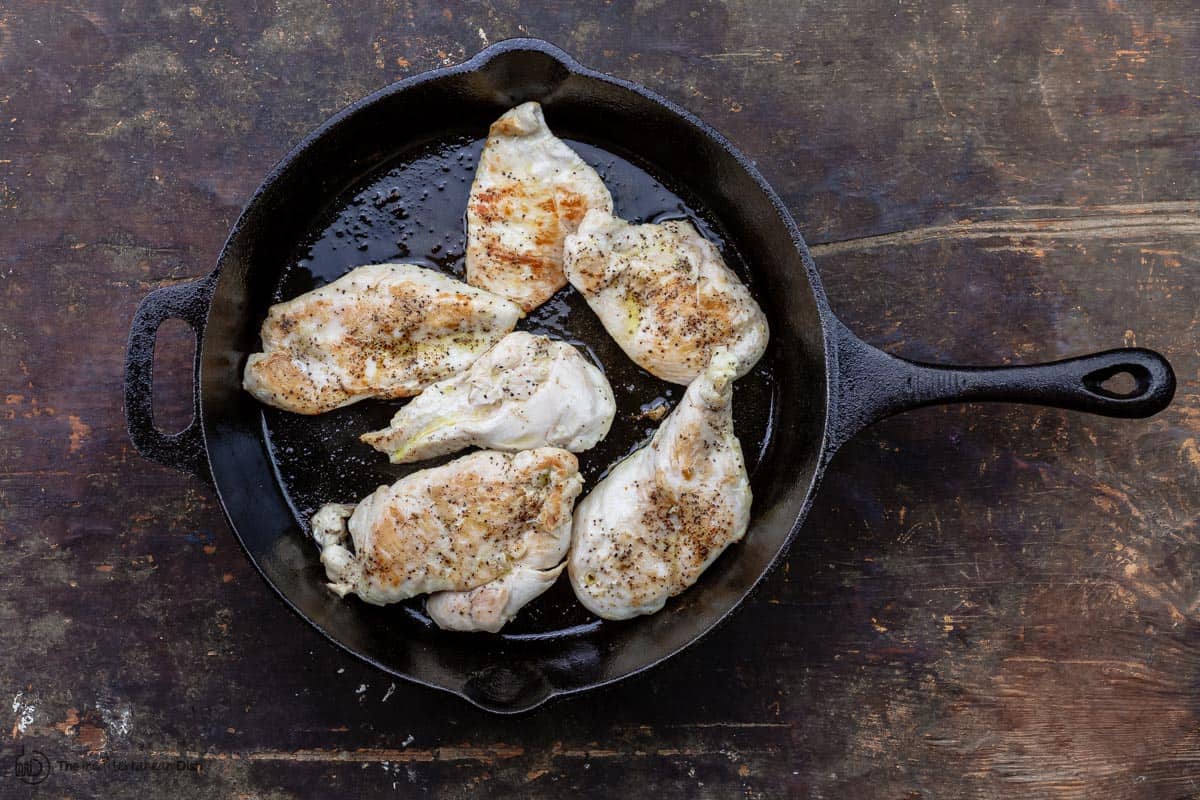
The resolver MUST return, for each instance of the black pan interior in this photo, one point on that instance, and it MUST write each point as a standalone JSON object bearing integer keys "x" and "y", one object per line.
{"x": 389, "y": 182}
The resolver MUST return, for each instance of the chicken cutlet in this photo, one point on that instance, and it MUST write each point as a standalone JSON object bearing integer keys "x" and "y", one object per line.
{"x": 530, "y": 190}
{"x": 495, "y": 522}
{"x": 650, "y": 528}
{"x": 527, "y": 391}
{"x": 664, "y": 293}
{"x": 382, "y": 330}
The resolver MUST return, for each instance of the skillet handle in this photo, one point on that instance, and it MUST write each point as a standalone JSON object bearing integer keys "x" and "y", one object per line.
{"x": 872, "y": 384}
{"x": 184, "y": 450}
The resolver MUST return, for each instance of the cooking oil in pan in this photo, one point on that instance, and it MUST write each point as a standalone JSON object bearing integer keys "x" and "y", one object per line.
{"x": 413, "y": 210}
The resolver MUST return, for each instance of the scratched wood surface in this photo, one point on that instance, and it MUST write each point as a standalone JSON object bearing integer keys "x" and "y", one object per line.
{"x": 987, "y": 602}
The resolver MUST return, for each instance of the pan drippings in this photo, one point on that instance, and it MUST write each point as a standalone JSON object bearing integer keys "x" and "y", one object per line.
{"x": 413, "y": 210}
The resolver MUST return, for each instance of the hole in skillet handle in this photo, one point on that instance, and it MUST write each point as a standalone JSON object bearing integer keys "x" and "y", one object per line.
{"x": 1133, "y": 382}
{"x": 507, "y": 689}
{"x": 1119, "y": 382}
{"x": 174, "y": 353}
{"x": 538, "y": 68}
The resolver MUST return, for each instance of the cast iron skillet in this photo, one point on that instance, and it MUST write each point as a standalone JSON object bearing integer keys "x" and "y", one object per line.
{"x": 387, "y": 178}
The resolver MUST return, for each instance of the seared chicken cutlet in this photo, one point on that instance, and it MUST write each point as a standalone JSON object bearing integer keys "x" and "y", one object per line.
{"x": 664, "y": 294}
{"x": 384, "y": 330}
{"x": 488, "y": 530}
{"x": 655, "y": 523}
{"x": 530, "y": 191}
{"x": 528, "y": 391}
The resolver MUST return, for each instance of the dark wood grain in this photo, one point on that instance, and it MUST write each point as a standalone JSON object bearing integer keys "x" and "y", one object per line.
{"x": 987, "y": 602}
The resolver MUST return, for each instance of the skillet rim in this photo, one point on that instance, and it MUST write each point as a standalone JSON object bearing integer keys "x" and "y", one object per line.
{"x": 472, "y": 65}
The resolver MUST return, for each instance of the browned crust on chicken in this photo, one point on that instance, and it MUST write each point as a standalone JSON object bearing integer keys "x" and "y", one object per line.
{"x": 380, "y": 331}
{"x": 452, "y": 528}
{"x": 530, "y": 191}
{"x": 476, "y": 506}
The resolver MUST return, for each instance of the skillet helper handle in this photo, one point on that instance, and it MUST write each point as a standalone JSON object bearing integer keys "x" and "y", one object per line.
{"x": 874, "y": 384}
{"x": 184, "y": 450}
{"x": 508, "y": 688}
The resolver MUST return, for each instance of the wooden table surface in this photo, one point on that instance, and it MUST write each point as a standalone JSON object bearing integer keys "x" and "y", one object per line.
{"x": 987, "y": 601}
